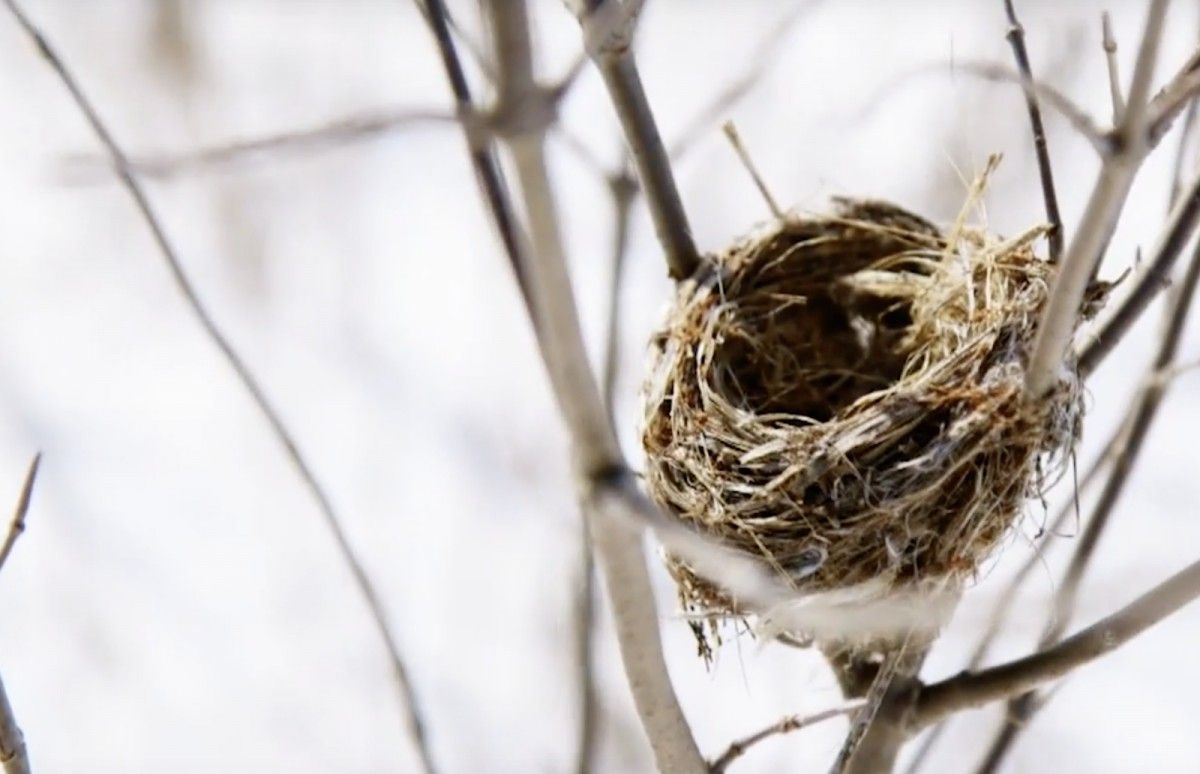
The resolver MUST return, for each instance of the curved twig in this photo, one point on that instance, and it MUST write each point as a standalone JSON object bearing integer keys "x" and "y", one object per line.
{"x": 248, "y": 381}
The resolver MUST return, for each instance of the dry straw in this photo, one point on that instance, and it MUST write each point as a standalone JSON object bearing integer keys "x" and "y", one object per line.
{"x": 842, "y": 397}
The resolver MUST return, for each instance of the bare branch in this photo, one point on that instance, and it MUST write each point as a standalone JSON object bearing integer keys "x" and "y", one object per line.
{"x": 618, "y": 545}
{"x": 975, "y": 689}
{"x": 282, "y": 435}
{"x": 487, "y": 170}
{"x": 787, "y": 725}
{"x": 1146, "y": 284}
{"x": 17, "y": 525}
{"x": 609, "y": 47}
{"x": 328, "y": 135}
{"x": 1016, "y": 39}
{"x": 1110, "y": 59}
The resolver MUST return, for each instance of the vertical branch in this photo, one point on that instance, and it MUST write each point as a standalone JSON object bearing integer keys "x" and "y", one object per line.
{"x": 523, "y": 113}
{"x": 607, "y": 37}
{"x": 622, "y": 189}
{"x": 247, "y": 380}
{"x": 1016, "y": 39}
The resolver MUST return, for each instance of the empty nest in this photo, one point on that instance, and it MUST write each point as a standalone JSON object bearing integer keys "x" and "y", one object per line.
{"x": 842, "y": 397}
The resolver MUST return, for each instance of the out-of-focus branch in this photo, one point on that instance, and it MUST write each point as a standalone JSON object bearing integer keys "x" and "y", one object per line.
{"x": 342, "y": 131}
{"x": 17, "y": 525}
{"x": 1061, "y": 313}
{"x": 765, "y": 53}
{"x": 14, "y": 756}
{"x": 1076, "y": 116}
{"x": 523, "y": 118}
{"x": 787, "y": 725}
{"x": 975, "y": 689}
{"x": 1016, "y": 39}
{"x": 609, "y": 46}
{"x": 248, "y": 381}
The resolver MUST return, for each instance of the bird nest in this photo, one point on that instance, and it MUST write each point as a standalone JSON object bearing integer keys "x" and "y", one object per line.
{"x": 842, "y": 398}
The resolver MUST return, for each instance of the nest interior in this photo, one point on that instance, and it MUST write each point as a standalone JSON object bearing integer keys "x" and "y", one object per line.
{"x": 842, "y": 397}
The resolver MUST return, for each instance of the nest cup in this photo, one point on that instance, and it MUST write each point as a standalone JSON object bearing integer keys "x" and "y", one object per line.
{"x": 842, "y": 398}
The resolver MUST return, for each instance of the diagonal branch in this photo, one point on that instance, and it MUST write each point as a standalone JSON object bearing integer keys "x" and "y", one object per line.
{"x": 248, "y": 381}
{"x": 787, "y": 725}
{"x": 17, "y": 525}
{"x": 976, "y": 689}
{"x": 1016, "y": 39}
{"x": 14, "y": 755}
{"x": 609, "y": 45}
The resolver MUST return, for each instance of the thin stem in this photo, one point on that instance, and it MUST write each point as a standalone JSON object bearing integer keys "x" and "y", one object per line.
{"x": 328, "y": 135}
{"x": 787, "y": 725}
{"x": 731, "y": 133}
{"x": 609, "y": 47}
{"x": 17, "y": 525}
{"x": 1110, "y": 59}
{"x": 976, "y": 689}
{"x": 248, "y": 381}
{"x": 1016, "y": 39}
{"x": 487, "y": 169}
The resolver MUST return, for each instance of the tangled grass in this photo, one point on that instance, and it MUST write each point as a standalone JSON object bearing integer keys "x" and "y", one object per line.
{"x": 842, "y": 398}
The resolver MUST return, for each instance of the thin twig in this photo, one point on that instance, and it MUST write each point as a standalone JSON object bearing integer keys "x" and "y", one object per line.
{"x": 17, "y": 525}
{"x": 341, "y": 131}
{"x": 1016, "y": 39}
{"x": 14, "y": 755}
{"x": 1076, "y": 116}
{"x": 245, "y": 377}
{"x": 487, "y": 170}
{"x": 1061, "y": 313}
{"x": 609, "y": 47}
{"x": 787, "y": 725}
{"x": 1110, "y": 59}
{"x": 976, "y": 689}
{"x": 731, "y": 133}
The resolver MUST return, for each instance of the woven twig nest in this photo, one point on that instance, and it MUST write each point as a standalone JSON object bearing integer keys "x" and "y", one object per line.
{"x": 841, "y": 397}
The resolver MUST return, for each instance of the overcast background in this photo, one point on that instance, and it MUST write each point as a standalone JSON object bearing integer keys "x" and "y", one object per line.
{"x": 177, "y": 604}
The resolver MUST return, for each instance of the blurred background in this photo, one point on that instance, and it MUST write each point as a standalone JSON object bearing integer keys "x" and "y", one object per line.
{"x": 177, "y": 604}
